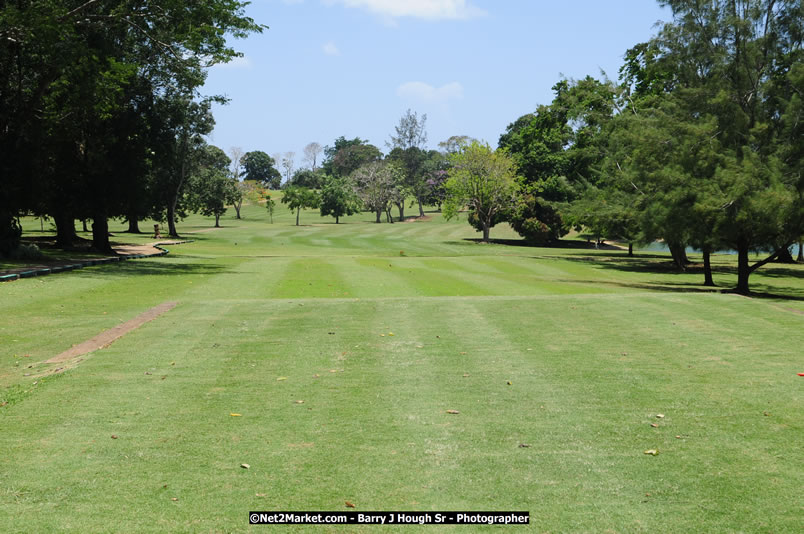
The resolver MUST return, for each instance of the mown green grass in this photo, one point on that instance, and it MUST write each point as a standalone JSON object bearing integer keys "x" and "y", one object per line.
{"x": 594, "y": 345}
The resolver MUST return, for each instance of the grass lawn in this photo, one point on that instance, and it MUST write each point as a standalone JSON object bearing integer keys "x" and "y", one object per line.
{"x": 343, "y": 346}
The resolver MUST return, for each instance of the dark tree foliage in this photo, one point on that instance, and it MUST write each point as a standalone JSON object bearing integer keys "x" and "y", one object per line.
{"x": 76, "y": 79}
{"x": 261, "y": 168}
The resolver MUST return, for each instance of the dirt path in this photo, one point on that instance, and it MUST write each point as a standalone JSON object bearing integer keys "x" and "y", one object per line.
{"x": 113, "y": 334}
{"x": 123, "y": 252}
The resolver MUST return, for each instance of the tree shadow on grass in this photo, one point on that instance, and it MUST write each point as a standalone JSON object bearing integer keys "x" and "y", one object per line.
{"x": 647, "y": 264}
{"x": 560, "y": 244}
{"x": 150, "y": 268}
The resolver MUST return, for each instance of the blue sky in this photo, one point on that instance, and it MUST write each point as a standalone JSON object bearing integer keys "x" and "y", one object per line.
{"x": 327, "y": 68}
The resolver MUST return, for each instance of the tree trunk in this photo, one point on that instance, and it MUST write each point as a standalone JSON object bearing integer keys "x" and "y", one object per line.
{"x": 298, "y": 211}
{"x": 84, "y": 222}
{"x": 171, "y": 219}
{"x": 65, "y": 230}
{"x": 421, "y": 208}
{"x": 10, "y": 232}
{"x": 100, "y": 234}
{"x": 237, "y": 206}
{"x": 486, "y": 229}
{"x": 217, "y": 220}
{"x": 630, "y": 249}
{"x": 401, "y": 207}
{"x": 785, "y": 257}
{"x": 133, "y": 225}
{"x": 800, "y": 257}
{"x": 336, "y": 219}
{"x": 707, "y": 269}
{"x": 388, "y": 216}
{"x": 679, "y": 254}
{"x": 378, "y": 216}
{"x": 743, "y": 270}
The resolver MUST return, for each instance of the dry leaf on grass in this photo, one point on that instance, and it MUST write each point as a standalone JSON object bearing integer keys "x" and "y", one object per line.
{"x": 659, "y": 416}
{"x": 652, "y": 452}
{"x": 281, "y": 378}
{"x": 350, "y": 505}
{"x": 245, "y": 466}
{"x": 654, "y": 425}
{"x": 453, "y": 411}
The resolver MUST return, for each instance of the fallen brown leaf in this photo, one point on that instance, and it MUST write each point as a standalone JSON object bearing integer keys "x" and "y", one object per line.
{"x": 652, "y": 452}
{"x": 114, "y": 436}
{"x": 654, "y": 425}
{"x": 350, "y": 505}
{"x": 453, "y": 411}
{"x": 245, "y": 466}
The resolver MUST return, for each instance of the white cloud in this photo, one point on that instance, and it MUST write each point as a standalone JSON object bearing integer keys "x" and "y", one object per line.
{"x": 424, "y": 92}
{"x": 330, "y": 49}
{"x": 237, "y": 63}
{"x": 423, "y": 9}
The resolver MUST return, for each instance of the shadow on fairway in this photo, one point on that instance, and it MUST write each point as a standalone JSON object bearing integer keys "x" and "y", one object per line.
{"x": 647, "y": 264}
{"x": 153, "y": 268}
{"x": 560, "y": 244}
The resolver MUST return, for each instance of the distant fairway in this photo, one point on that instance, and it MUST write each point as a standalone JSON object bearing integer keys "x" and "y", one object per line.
{"x": 379, "y": 330}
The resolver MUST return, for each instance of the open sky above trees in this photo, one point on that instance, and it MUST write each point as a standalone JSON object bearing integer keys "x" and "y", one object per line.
{"x": 327, "y": 68}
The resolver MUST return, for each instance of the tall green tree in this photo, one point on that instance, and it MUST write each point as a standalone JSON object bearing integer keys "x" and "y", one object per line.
{"x": 482, "y": 180}
{"x": 731, "y": 63}
{"x": 94, "y": 47}
{"x": 299, "y": 198}
{"x": 338, "y": 198}
{"x": 260, "y": 167}
{"x": 408, "y": 146}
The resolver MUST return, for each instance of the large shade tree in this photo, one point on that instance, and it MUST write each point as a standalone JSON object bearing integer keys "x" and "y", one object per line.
{"x": 482, "y": 180}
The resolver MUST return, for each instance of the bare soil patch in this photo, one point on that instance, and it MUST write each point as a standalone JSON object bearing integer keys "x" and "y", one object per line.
{"x": 113, "y": 334}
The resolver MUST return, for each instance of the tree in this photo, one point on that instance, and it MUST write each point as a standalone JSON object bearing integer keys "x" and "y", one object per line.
{"x": 288, "y": 162}
{"x": 338, "y": 198}
{"x": 454, "y": 143}
{"x": 732, "y": 64}
{"x": 482, "y": 180}
{"x": 270, "y": 204}
{"x": 104, "y": 49}
{"x": 237, "y": 155}
{"x": 311, "y": 153}
{"x": 308, "y": 178}
{"x": 409, "y": 143}
{"x": 212, "y": 188}
{"x": 349, "y": 158}
{"x": 259, "y": 167}
{"x": 299, "y": 198}
{"x": 376, "y": 182}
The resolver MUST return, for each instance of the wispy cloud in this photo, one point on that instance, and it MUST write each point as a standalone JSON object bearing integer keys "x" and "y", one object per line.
{"x": 423, "y": 9}
{"x": 423, "y": 92}
{"x": 330, "y": 49}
